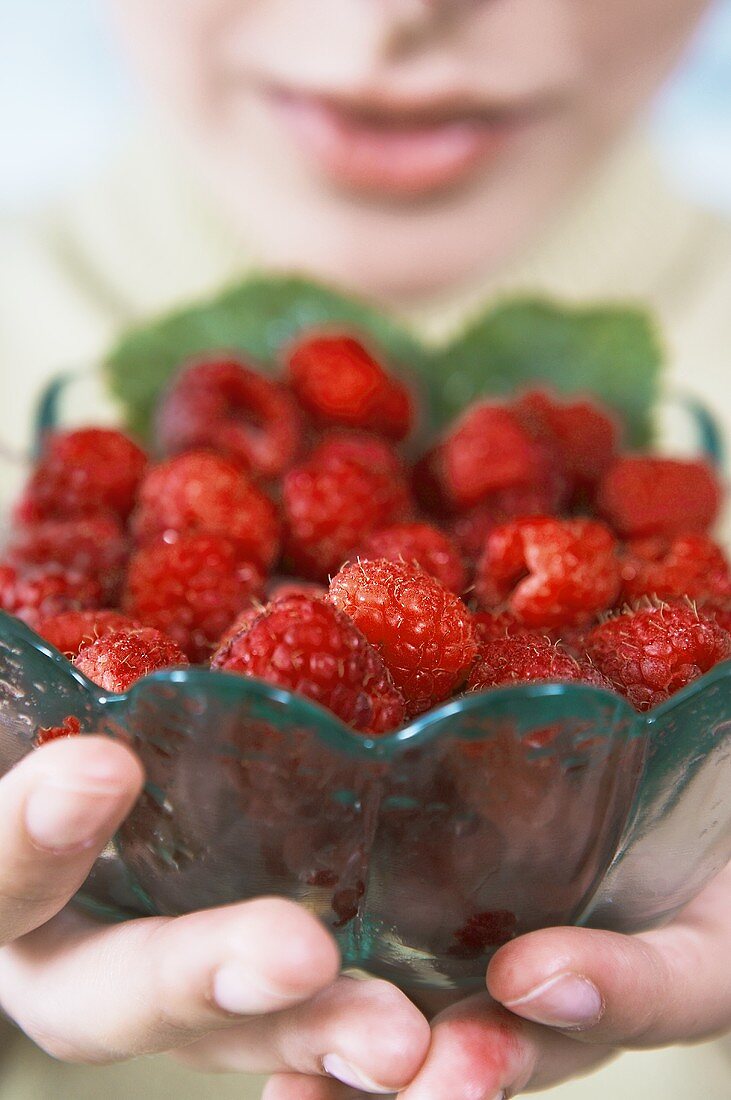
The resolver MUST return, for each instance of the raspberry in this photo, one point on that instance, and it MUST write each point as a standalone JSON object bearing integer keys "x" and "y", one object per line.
{"x": 71, "y": 728}
{"x": 490, "y": 626}
{"x": 240, "y": 624}
{"x": 331, "y": 504}
{"x": 418, "y": 544}
{"x": 224, "y": 406}
{"x": 81, "y": 472}
{"x": 94, "y": 545}
{"x": 36, "y": 593}
{"x": 307, "y": 646}
{"x": 191, "y": 589}
{"x": 70, "y": 630}
{"x": 583, "y": 434}
{"x": 281, "y": 587}
{"x": 641, "y": 495}
{"x": 115, "y": 661}
{"x": 423, "y": 632}
{"x": 488, "y": 449}
{"x": 202, "y": 492}
{"x": 523, "y": 658}
{"x": 338, "y": 382}
{"x": 367, "y": 450}
{"x": 470, "y": 529}
{"x": 550, "y": 572}
{"x": 652, "y": 653}
{"x": 693, "y": 566}
{"x": 483, "y": 932}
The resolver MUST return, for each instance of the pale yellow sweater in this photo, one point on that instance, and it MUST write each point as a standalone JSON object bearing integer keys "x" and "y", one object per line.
{"x": 144, "y": 239}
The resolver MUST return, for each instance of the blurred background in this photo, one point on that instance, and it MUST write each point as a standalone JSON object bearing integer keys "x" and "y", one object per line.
{"x": 66, "y": 102}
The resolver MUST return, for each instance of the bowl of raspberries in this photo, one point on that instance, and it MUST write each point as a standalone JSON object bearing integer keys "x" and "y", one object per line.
{"x": 441, "y": 692}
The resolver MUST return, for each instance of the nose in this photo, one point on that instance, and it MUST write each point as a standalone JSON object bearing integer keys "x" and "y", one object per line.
{"x": 410, "y": 23}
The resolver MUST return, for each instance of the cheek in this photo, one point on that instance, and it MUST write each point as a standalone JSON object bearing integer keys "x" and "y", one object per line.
{"x": 616, "y": 36}
{"x": 173, "y": 43}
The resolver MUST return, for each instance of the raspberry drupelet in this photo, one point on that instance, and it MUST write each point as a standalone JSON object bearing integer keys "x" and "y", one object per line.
{"x": 423, "y": 632}
{"x": 307, "y": 646}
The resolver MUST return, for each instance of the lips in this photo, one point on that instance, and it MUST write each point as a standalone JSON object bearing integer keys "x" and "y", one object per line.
{"x": 394, "y": 152}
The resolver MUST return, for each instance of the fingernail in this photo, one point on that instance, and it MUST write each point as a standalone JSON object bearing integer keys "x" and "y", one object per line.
{"x": 239, "y": 991}
{"x": 342, "y": 1071}
{"x": 62, "y": 816}
{"x": 566, "y": 1000}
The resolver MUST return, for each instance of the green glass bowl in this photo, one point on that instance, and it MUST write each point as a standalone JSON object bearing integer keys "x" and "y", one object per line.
{"x": 423, "y": 851}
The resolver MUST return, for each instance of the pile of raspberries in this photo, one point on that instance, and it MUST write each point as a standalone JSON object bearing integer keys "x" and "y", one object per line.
{"x": 284, "y": 530}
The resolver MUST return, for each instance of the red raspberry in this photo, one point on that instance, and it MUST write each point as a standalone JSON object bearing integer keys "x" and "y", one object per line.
{"x": 338, "y": 382}
{"x": 641, "y": 495}
{"x": 224, "y": 406}
{"x": 309, "y": 647}
{"x": 36, "y": 593}
{"x": 69, "y": 631}
{"x": 583, "y": 433}
{"x": 95, "y": 545}
{"x": 550, "y": 572}
{"x": 470, "y": 529}
{"x": 202, "y": 492}
{"x": 693, "y": 566}
{"x": 331, "y": 504}
{"x": 490, "y": 626}
{"x": 423, "y": 632}
{"x": 523, "y": 657}
{"x": 81, "y": 472}
{"x": 281, "y": 587}
{"x": 71, "y": 728}
{"x": 191, "y": 589}
{"x": 117, "y": 660}
{"x": 240, "y": 624}
{"x": 652, "y": 653}
{"x": 367, "y": 450}
{"x": 419, "y": 544}
{"x": 488, "y": 449}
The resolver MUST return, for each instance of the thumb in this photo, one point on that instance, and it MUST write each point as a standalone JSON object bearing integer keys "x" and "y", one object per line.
{"x": 652, "y": 989}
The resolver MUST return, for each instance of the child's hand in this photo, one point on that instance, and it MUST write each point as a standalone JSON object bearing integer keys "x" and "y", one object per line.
{"x": 601, "y": 992}
{"x": 250, "y": 987}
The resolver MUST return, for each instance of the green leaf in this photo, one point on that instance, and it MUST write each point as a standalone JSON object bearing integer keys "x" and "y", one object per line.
{"x": 611, "y": 351}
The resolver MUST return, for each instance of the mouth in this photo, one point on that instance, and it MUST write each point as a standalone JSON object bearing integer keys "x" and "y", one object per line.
{"x": 398, "y": 149}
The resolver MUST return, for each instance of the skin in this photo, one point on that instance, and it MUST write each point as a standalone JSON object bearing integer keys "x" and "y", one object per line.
{"x": 564, "y": 76}
{"x": 254, "y": 987}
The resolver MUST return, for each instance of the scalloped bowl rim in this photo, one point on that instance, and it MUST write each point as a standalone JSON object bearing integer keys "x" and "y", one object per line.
{"x": 422, "y": 730}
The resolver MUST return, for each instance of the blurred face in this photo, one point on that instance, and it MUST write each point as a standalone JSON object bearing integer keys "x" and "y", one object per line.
{"x": 399, "y": 146}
